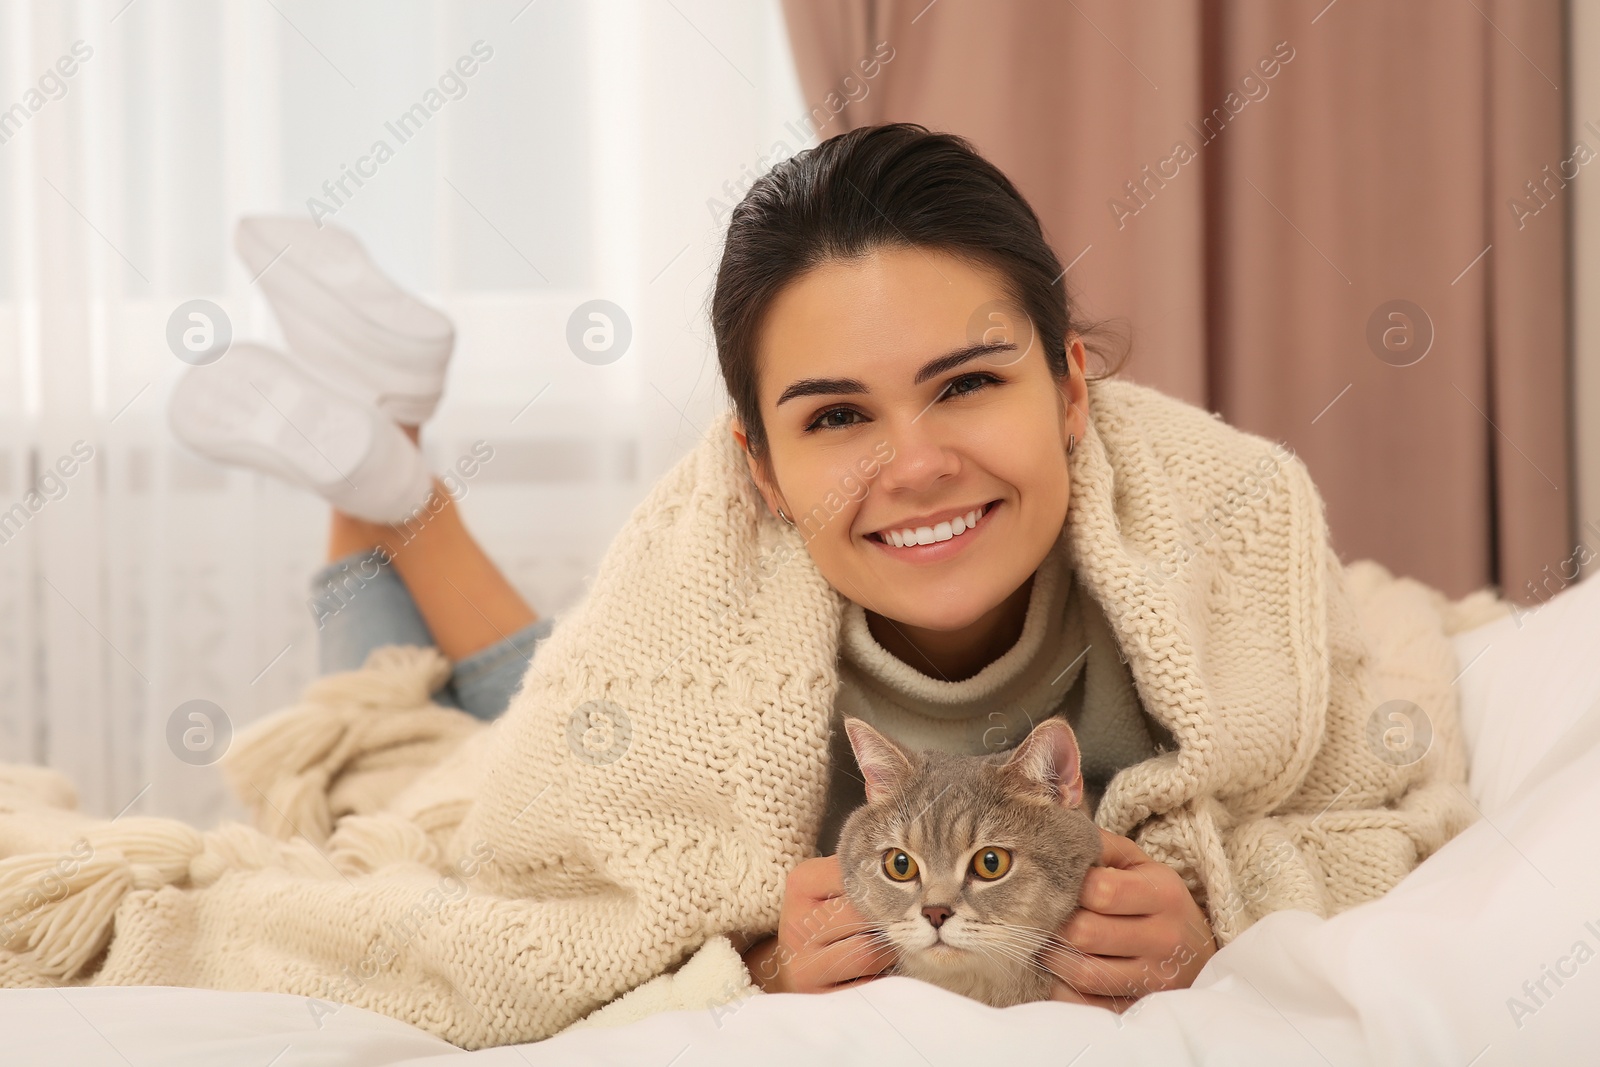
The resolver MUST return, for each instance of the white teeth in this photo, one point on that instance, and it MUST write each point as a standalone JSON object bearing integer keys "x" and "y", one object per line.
{"x": 927, "y": 535}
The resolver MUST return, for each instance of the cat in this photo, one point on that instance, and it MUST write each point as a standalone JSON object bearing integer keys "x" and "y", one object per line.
{"x": 967, "y": 865}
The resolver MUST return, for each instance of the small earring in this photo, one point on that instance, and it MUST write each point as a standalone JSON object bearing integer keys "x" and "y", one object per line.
{"x": 1072, "y": 441}
{"x": 784, "y": 517}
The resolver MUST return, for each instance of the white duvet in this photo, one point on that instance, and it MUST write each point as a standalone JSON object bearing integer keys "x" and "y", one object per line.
{"x": 1488, "y": 953}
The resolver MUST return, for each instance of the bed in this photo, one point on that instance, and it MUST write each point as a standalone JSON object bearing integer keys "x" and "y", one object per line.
{"x": 1488, "y": 953}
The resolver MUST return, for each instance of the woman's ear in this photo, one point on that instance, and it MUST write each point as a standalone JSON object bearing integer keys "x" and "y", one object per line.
{"x": 1075, "y": 392}
{"x": 758, "y": 469}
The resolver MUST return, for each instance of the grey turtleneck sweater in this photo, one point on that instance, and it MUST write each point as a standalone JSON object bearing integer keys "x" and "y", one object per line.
{"x": 1065, "y": 662}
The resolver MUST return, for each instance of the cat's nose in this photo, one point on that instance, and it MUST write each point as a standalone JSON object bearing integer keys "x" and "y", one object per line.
{"x": 936, "y": 914}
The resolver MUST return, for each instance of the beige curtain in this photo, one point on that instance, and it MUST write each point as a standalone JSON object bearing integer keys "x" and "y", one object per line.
{"x": 1340, "y": 225}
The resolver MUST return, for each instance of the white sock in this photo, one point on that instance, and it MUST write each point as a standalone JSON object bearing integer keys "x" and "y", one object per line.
{"x": 255, "y": 408}
{"x": 346, "y": 322}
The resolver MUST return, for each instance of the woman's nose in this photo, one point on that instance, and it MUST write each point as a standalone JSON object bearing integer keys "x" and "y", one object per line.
{"x": 921, "y": 457}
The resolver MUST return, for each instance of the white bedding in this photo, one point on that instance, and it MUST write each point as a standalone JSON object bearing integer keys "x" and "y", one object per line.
{"x": 1431, "y": 973}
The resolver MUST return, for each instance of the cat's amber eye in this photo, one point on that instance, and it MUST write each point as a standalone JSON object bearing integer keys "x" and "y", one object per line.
{"x": 899, "y": 866}
{"x": 991, "y": 863}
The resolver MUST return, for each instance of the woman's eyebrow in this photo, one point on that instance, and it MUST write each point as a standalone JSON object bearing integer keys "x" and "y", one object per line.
{"x": 932, "y": 369}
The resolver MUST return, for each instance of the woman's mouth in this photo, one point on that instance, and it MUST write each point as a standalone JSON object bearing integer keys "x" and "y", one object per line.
{"x": 919, "y": 544}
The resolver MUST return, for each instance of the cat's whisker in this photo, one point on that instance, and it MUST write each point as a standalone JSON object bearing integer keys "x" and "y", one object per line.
{"x": 1021, "y": 936}
{"x": 1019, "y": 947}
{"x": 1021, "y": 951}
{"x": 1004, "y": 951}
{"x": 1017, "y": 934}
{"x": 1023, "y": 947}
{"x": 1040, "y": 930}
{"x": 1097, "y": 968}
{"x": 1045, "y": 938}
{"x": 866, "y": 942}
{"x": 1028, "y": 959}
{"x": 861, "y": 953}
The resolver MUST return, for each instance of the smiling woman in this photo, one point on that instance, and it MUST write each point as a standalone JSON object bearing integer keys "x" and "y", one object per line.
{"x": 891, "y": 294}
{"x": 892, "y": 291}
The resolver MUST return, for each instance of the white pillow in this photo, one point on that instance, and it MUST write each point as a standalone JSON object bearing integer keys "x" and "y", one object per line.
{"x": 1526, "y": 680}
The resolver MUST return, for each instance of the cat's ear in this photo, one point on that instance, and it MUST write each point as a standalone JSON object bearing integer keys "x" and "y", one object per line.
{"x": 1048, "y": 759}
{"x": 884, "y": 764}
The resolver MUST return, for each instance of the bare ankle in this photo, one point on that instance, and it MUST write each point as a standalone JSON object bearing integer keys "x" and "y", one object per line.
{"x": 348, "y": 535}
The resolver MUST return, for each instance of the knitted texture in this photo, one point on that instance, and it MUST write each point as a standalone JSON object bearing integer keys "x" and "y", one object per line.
{"x": 664, "y": 764}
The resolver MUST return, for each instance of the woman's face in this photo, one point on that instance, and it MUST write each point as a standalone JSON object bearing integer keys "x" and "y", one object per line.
{"x": 900, "y": 391}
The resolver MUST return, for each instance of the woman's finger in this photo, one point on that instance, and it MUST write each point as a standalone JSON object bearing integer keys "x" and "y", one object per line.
{"x": 852, "y": 958}
{"x": 1119, "y": 851}
{"x": 1116, "y": 891}
{"x": 1116, "y": 935}
{"x": 1099, "y": 975}
{"x": 817, "y": 878}
{"x": 841, "y": 921}
{"x": 816, "y": 910}
{"x": 1061, "y": 991}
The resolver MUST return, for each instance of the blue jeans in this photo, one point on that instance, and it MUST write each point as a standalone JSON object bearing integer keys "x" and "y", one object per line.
{"x": 360, "y": 604}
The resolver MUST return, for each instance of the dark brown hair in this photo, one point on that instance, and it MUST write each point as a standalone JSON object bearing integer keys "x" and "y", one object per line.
{"x": 895, "y": 185}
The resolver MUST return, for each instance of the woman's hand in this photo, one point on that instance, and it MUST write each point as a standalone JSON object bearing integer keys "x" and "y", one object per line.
{"x": 1137, "y": 930}
{"x": 822, "y": 941}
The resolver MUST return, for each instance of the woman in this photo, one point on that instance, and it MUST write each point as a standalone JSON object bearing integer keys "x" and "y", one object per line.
{"x": 847, "y": 272}
{"x": 909, "y": 384}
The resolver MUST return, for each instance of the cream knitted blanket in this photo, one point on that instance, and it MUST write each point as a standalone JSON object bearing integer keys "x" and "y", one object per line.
{"x": 664, "y": 765}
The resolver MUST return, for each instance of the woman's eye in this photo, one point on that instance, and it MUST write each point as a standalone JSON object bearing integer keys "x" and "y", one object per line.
{"x": 839, "y": 418}
{"x": 978, "y": 380}
{"x": 899, "y": 866}
{"x": 825, "y": 420}
{"x": 991, "y": 863}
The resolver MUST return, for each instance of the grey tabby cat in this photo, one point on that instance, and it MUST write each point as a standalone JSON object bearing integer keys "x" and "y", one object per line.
{"x": 967, "y": 865}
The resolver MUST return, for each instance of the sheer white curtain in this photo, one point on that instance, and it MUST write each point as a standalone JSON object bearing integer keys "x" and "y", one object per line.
{"x": 584, "y": 157}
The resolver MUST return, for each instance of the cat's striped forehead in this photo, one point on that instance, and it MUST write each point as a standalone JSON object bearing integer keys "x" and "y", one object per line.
{"x": 955, "y": 805}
